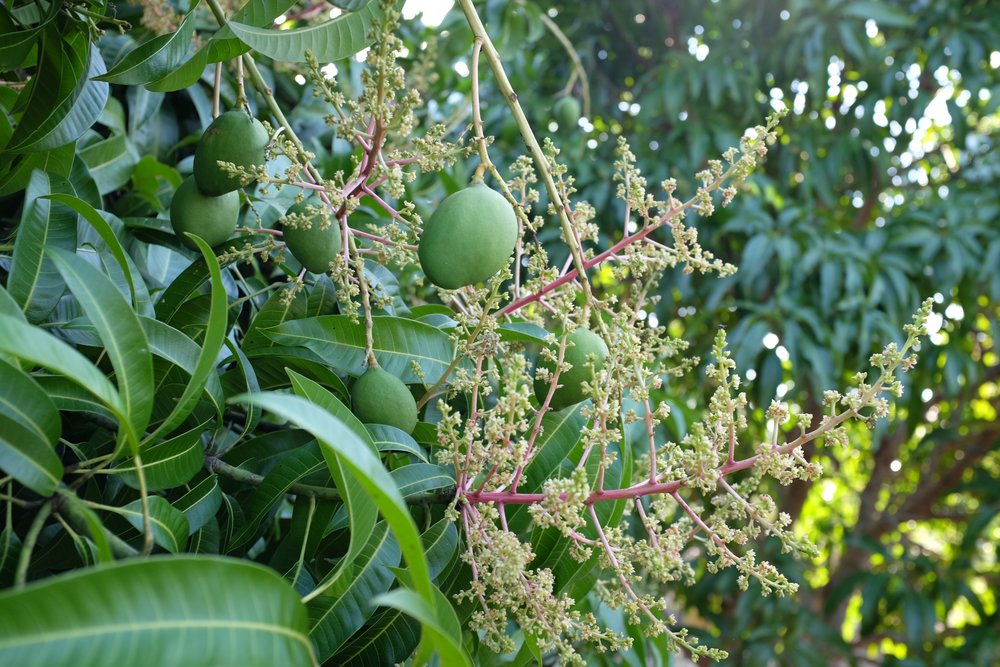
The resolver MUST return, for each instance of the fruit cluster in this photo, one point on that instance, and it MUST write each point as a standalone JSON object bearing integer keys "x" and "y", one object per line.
{"x": 208, "y": 202}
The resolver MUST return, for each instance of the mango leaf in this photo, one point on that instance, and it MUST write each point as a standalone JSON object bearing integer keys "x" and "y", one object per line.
{"x": 170, "y": 612}
{"x": 120, "y": 331}
{"x": 215, "y": 335}
{"x": 398, "y": 343}
{"x": 292, "y": 467}
{"x": 29, "y": 429}
{"x": 341, "y": 444}
{"x": 169, "y": 525}
{"x": 883, "y": 14}
{"x": 222, "y": 45}
{"x": 334, "y": 618}
{"x": 34, "y": 282}
{"x": 168, "y": 464}
{"x": 154, "y": 59}
{"x": 339, "y": 38}
{"x": 201, "y": 503}
{"x": 391, "y": 439}
{"x": 64, "y": 100}
{"x": 41, "y": 348}
{"x": 110, "y": 162}
{"x": 438, "y": 619}
{"x": 27, "y": 457}
{"x": 361, "y": 509}
{"x": 105, "y": 231}
{"x": 168, "y": 343}
{"x": 418, "y": 478}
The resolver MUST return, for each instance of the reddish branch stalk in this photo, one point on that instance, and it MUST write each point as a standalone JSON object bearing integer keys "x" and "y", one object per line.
{"x": 572, "y": 274}
{"x": 646, "y": 488}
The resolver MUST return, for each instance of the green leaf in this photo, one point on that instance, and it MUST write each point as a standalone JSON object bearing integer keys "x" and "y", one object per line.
{"x": 41, "y": 348}
{"x": 120, "y": 331}
{"x": 292, "y": 467}
{"x": 64, "y": 100}
{"x": 398, "y": 343}
{"x": 334, "y": 618}
{"x": 168, "y": 343}
{"x": 104, "y": 229}
{"x": 883, "y": 14}
{"x": 438, "y": 619}
{"x": 361, "y": 509}
{"x": 110, "y": 162}
{"x": 28, "y": 458}
{"x": 156, "y": 58}
{"x": 339, "y": 38}
{"x": 215, "y": 335}
{"x": 34, "y": 282}
{"x": 169, "y": 525}
{"x": 22, "y": 400}
{"x": 341, "y": 444}
{"x": 168, "y": 464}
{"x": 192, "y": 610}
{"x": 391, "y": 439}
{"x": 418, "y": 478}
{"x": 222, "y": 45}
{"x": 201, "y": 503}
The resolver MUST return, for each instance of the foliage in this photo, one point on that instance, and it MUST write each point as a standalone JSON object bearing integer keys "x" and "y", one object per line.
{"x": 163, "y": 395}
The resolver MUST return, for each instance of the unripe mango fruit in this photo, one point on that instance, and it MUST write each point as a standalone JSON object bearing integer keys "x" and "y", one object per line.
{"x": 380, "y": 397}
{"x": 212, "y": 218}
{"x": 232, "y": 137}
{"x": 314, "y": 247}
{"x": 580, "y": 345}
{"x": 567, "y": 112}
{"x": 468, "y": 238}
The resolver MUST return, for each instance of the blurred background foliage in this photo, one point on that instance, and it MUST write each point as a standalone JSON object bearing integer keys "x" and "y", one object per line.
{"x": 883, "y": 191}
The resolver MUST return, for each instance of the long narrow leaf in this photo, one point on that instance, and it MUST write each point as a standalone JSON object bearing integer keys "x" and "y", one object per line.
{"x": 169, "y": 612}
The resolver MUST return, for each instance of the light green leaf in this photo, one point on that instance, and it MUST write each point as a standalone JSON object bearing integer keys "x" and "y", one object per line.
{"x": 118, "y": 326}
{"x": 335, "y": 39}
{"x": 169, "y": 525}
{"x": 170, "y": 612}
{"x": 398, "y": 343}
{"x": 34, "y": 282}
{"x": 334, "y": 618}
{"x": 156, "y": 58}
{"x": 168, "y": 464}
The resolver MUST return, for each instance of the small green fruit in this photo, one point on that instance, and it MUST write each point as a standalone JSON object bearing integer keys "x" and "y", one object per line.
{"x": 382, "y": 398}
{"x": 314, "y": 247}
{"x": 232, "y": 137}
{"x": 580, "y": 345}
{"x": 212, "y": 218}
{"x": 567, "y": 112}
{"x": 468, "y": 238}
